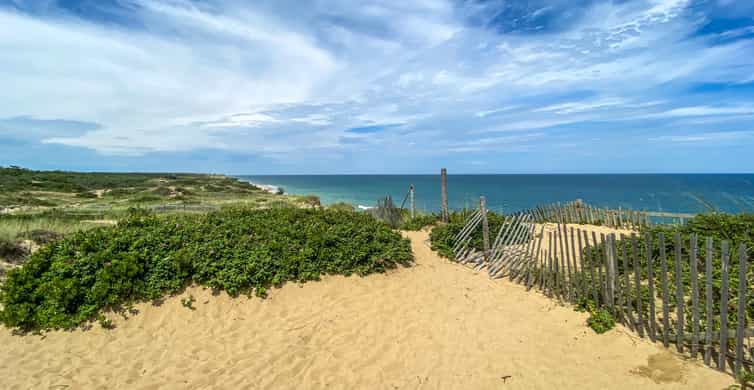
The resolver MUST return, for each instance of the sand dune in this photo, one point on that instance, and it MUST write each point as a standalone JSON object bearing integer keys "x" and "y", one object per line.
{"x": 437, "y": 325}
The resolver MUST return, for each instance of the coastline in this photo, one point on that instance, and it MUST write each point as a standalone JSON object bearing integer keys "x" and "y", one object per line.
{"x": 272, "y": 189}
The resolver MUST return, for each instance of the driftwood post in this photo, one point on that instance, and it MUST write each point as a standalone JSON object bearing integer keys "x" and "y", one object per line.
{"x": 485, "y": 228}
{"x": 444, "y": 194}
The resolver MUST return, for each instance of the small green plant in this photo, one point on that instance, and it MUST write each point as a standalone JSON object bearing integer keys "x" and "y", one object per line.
{"x": 584, "y": 305}
{"x": 600, "y": 320}
{"x": 105, "y": 322}
{"x": 188, "y": 302}
{"x": 745, "y": 378}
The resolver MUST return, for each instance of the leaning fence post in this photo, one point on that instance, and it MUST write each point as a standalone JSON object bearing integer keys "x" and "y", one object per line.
{"x": 444, "y": 193}
{"x": 485, "y": 228}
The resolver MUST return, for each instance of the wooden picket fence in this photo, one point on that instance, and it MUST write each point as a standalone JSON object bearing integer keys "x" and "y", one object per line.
{"x": 582, "y": 213}
{"x": 681, "y": 290}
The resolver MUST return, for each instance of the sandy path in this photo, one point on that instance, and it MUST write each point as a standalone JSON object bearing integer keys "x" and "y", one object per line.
{"x": 437, "y": 325}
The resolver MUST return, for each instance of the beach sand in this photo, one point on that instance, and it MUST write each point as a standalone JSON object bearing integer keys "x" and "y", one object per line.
{"x": 437, "y": 325}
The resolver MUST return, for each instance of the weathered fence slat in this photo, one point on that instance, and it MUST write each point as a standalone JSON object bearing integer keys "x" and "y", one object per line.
{"x": 584, "y": 285}
{"x": 708, "y": 302}
{"x": 679, "y": 295}
{"x": 567, "y": 259}
{"x": 594, "y": 262}
{"x": 611, "y": 270}
{"x": 601, "y": 261}
{"x": 625, "y": 301}
{"x": 741, "y": 319}
{"x": 637, "y": 278}
{"x": 468, "y": 222}
{"x": 535, "y": 260}
{"x": 485, "y": 228}
{"x": 651, "y": 287}
{"x": 723, "y": 309}
{"x": 694, "y": 298}
{"x": 665, "y": 293}
{"x": 548, "y": 278}
{"x": 577, "y": 284}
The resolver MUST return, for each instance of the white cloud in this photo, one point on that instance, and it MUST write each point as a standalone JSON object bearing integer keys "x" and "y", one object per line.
{"x": 705, "y": 111}
{"x": 270, "y": 79}
{"x": 705, "y": 137}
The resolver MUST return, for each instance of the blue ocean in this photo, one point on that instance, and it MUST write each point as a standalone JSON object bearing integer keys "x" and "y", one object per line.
{"x": 682, "y": 193}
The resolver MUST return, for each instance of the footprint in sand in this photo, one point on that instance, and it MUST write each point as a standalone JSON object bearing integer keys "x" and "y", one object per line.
{"x": 662, "y": 367}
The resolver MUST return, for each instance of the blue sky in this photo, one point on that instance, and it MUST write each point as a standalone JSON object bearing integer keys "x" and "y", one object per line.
{"x": 392, "y": 86}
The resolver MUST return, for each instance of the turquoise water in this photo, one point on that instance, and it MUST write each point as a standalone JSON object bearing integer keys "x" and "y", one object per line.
{"x": 686, "y": 193}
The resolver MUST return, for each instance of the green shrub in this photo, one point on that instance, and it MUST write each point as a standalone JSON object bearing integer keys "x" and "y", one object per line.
{"x": 188, "y": 302}
{"x": 146, "y": 256}
{"x": 600, "y": 320}
{"x": 105, "y": 322}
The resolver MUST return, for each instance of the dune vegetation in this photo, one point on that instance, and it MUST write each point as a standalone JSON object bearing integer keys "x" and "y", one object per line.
{"x": 146, "y": 256}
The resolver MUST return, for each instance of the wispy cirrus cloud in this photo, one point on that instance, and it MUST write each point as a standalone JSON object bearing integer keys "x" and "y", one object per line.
{"x": 290, "y": 81}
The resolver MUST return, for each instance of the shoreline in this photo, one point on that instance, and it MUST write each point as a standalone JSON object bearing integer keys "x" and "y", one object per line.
{"x": 270, "y": 188}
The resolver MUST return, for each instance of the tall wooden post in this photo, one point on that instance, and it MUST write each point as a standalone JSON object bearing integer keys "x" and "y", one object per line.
{"x": 444, "y": 194}
{"x": 485, "y": 227}
{"x": 411, "y": 199}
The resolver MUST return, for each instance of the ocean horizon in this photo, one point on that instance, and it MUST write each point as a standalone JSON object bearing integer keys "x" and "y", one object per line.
{"x": 680, "y": 193}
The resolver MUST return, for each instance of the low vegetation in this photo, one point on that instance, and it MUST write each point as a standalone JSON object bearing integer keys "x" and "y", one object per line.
{"x": 25, "y": 189}
{"x": 146, "y": 256}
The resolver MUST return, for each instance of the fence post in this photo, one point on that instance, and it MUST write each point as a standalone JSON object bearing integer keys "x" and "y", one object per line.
{"x": 741, "y": 319}
{"x": 444, "y": 193}
{"x": 723, "y": 310}
{"x": 411, "y": 199}
{"x": 610, "y": 270}
{"x": 485, "y": 228}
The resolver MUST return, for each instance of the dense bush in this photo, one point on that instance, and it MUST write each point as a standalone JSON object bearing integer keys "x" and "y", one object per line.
{"x": 236, "y": 250}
